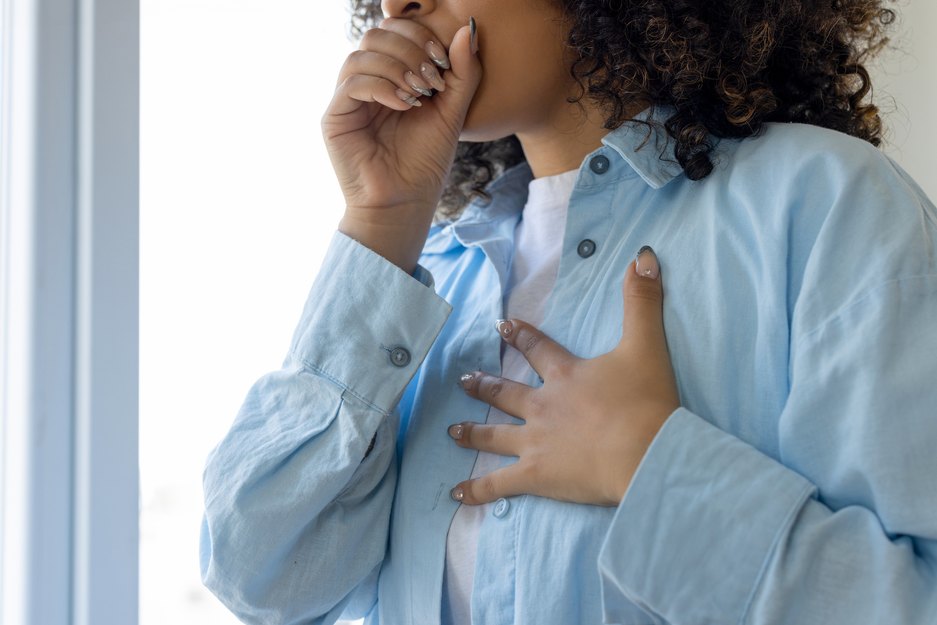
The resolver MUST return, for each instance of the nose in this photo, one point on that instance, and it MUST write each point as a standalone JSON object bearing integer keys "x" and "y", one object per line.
{"x": 405, "y": 8}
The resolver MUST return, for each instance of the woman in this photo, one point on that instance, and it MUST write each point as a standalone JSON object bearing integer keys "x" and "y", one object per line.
{"x": 480, "y": 418}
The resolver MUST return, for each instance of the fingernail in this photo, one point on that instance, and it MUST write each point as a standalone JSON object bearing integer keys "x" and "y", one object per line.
{"x": 408, "y": 98}
{"x": 647, "y": 265}
{"x": 432, "y": 76}
{"x": 504, "y": 327}
{"x": 455, "y": 431}
{"x": 467, "y": 381}
{"x": 457, "y": 493}
{"x": 473, "y": 41}
{"x": 437, "y": 54}
{"x": 416, "y": 84}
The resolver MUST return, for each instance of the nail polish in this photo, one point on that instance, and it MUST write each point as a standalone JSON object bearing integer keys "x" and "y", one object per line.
{"x": 457, "y": 493}
{"x": 408, "y": 98}
{"x": 416, "y": 84}
{"x": 647, "y": 265}
{"x": 473, "y": 41}
{"x": 437, "y": 54}
{"x": 432, "y": 76}
{"x": 504, "y": 327}
{"x": 467, "y": 381}
{"x": 456, "y": 431}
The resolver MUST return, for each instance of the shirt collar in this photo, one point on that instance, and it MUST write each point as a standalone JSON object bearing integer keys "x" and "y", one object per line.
{"x": 642, "y": 143}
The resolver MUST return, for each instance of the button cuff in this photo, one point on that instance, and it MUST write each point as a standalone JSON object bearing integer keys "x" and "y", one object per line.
{"x": 400, "y": 356}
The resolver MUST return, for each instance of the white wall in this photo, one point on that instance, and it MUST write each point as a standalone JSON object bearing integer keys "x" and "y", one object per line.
{"x": 906, "y": 86}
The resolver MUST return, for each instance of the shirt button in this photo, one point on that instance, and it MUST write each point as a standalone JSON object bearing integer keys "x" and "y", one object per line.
{"x": 400, "y": 357}
{"x": 586, "y": 248}
{"x": 501, "y": 507}
{"x": 599, "y": 164}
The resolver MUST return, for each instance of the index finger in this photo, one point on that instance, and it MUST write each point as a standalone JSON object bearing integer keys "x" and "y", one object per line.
{"x": 547, "y": 357}
{"x": 432, "y": 44}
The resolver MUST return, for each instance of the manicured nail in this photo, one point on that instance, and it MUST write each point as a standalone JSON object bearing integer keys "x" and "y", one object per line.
{"x": 504, "y": 327}
{"x": 455, "y": 431}
{"x": 647, "y": 265}
{"x": 473, "y": 41}
{"x": 416, "y": 84}
{"x": 432, "y": 76}
{"x": 467, "y": 381}
{"x": 408, "y": 98}
{"x": 437, "y": 54}
{"x": 457, "y": 494}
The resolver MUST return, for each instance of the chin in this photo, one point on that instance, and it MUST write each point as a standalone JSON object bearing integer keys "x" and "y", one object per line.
{"x": 484, "y": 122}
{"x": 474, "y": 131}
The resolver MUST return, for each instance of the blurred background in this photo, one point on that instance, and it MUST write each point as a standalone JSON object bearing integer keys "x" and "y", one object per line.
{"x": 238, "y": 203}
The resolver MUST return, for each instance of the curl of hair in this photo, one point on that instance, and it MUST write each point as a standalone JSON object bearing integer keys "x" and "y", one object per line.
{"x": 725, "y": 68}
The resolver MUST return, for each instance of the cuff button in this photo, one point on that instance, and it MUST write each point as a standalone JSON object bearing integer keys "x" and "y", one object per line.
{"x": 399, "y": 357}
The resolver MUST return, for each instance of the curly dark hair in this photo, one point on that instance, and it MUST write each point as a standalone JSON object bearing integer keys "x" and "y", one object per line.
{"x": 725, "y": 68}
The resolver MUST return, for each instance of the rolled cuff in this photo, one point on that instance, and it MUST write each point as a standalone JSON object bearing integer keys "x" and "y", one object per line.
{"x": 698, "y": 525}
{"x": 366, "y": 324}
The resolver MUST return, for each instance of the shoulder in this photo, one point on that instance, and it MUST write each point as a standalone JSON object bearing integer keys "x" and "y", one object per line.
{"x": 801, "y": 152}
{"x": 850, "y": 219}
{"x": 819, "y": 178}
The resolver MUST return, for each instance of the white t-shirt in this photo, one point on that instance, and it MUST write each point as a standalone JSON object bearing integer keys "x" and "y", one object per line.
{"x": 538, "y": 242}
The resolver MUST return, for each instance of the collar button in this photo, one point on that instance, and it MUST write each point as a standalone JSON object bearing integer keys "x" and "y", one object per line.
{"x": 599, "y": 164}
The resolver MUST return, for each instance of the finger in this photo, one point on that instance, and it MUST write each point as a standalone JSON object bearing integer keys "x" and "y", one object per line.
{"x": 432, "y": 47}
{"x": 410, "y": 54}
{"x": 366, "y": 62}
{"x": 462, "y": 78}
{"x": 504, "y": 440}
{"x": 505, "y": 395}
{"x": 548, "y": 358}
{"x": 506, "y": 482}
{"x": 360, "y": 88}
{"x": 643, "y": 293}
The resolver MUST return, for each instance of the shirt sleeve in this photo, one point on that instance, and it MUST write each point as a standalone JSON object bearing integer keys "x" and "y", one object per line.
{"x": 296, "y": 511}
{"x": 841, "y": 531}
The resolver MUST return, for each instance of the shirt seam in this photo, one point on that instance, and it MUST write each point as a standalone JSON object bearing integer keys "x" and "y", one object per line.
{"x": 316, "y": 370}
{"x": 788, "y": 523}
{"x": 838, "y": 315}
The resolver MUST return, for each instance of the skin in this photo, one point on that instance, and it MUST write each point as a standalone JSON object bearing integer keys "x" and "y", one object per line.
{"x": 392, "y": 146}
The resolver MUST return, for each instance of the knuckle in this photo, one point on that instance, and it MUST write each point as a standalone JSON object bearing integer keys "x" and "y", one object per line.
{"x": 484, "y": 435}
{"x": 527, "y": 340}
{"x": 369, "y": 37}
{"x": 528, "y": 471}
{"x": 644, "y": 290}
{"x": 487, "y": 386}
{"x": 487, "y": 488}
{"x": 562, "y": 369}
{"x": 536, "y": 404}
{"x": 347, "y": 83}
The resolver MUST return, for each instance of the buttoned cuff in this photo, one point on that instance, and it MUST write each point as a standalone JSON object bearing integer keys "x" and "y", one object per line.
{"x": 697, "y": 526}
{"x": 367, "y": 325}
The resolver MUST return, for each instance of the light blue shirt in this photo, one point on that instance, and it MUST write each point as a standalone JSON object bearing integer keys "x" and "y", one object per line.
{"x": 797, "y": 485}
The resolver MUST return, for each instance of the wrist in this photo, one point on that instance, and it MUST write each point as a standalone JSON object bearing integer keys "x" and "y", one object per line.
{"x": 398, "y": 237}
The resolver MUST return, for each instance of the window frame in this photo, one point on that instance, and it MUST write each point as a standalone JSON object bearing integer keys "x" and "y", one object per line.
{"x": 69, "y": 256}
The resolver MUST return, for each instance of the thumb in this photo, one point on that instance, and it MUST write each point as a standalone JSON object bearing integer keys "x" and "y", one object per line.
{"x": 644, "y": 296}
{"x": 463, "y": 76}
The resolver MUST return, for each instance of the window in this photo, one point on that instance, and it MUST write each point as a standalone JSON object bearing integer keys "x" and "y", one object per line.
{"x": 68, "y": 292}
{"x": 238, "y": 203}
